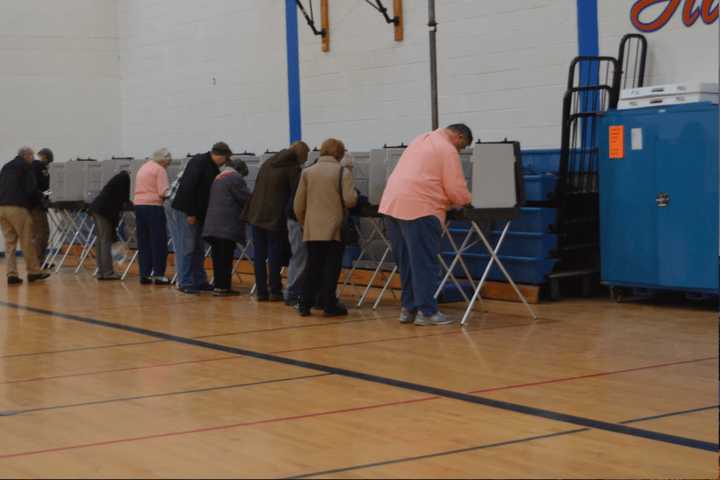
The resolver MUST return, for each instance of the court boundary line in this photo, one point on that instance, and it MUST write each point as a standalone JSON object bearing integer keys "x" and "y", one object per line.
{"x": 446, "y": 453}
{"x": 377, "y": 379}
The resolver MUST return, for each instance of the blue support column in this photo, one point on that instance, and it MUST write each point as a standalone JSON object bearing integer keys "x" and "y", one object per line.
{"x": 293, "y": 71}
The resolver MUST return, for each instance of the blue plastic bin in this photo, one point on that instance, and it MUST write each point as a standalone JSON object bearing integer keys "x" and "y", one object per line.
{"x": 541, "y": 161}
{"x": 534, "y": 220}
{"x": 539, "y": 188}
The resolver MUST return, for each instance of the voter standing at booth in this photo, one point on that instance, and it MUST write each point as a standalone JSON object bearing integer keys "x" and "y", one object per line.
{"x": 151, "y": 189}
{"x": 189, "y": 207}
{"x": 427, "y": 181}
{"x": 18, "y": 194}
{"x": 107, "y": 209}
{"x": 39, "y": 212}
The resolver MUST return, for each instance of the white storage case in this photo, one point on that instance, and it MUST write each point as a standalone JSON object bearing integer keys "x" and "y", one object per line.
{"x": 666, "y": 95}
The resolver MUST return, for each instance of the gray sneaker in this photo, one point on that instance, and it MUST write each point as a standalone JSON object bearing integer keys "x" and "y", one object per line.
{"x": 437, "y": 319}
{"x": 406, "y": 316}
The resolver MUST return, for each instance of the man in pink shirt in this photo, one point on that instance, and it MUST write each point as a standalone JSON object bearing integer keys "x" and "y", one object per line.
{"x": 151, "y": 188}
{"x": 427, "y": 181}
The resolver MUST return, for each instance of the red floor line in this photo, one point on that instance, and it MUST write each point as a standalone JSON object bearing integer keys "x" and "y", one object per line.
{"x": 212, "y": 429}
{"x": 312, "y": 415}
{"x": 592, "y": 375}
{"x": 235, "y": 357}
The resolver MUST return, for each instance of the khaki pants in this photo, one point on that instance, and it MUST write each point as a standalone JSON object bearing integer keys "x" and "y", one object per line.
{"x": 41, "y": 232}
{"x": 16, "y": 223}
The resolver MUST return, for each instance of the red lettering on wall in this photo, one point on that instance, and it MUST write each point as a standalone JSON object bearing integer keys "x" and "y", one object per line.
{"x": 691, "y": 12}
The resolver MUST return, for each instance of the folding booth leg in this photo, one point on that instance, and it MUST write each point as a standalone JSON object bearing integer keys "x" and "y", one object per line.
{"x": 385, "y": 287}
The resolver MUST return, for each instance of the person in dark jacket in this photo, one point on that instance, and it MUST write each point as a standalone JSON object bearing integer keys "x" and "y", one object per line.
{"x": 189, "y": 209}
{"x": 224, "y": 227}
{"x": 106, "y": 210}
{"x": 267, "y": 213}
{"x": 41, "y": 225}
{"x": 18, "y": 195}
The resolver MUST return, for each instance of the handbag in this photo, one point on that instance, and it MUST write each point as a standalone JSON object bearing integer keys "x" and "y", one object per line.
{"x": 348, "y": 233}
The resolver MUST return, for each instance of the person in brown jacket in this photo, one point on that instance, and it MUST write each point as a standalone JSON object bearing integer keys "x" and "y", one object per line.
{"x": 318, "y": 208}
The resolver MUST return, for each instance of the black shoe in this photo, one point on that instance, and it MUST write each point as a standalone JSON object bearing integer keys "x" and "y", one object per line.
{"x": 110, "y": 278}
{"x": 262, "y": 298}
{"x": 146, "y": 281}
{"x": 219, "y": 292}
{"x": 49, "y": 267}
{"x": 292, "y": 301}
{"x": 163, "y": 281}
{"x": 303, "y": 310}
{"x": 208, "y": 287}
{"x": 277, "y": 297}
{"x": 36, "y": 277}
{"x": 14, "y": 280}
{"x": 188, "y": 291}
{"x": 339, "y": 310}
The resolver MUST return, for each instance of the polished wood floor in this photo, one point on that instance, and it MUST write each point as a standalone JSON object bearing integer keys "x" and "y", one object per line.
{"x": 119, "y": 380}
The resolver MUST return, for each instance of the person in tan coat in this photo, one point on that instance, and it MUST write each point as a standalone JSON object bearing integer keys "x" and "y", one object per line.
{"x": 319, "y": 209}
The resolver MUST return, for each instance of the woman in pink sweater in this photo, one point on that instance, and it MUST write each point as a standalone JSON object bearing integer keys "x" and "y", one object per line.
{"x": 151, "y": 188}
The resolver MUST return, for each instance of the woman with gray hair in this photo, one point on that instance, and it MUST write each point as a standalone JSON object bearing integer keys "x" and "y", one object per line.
{"x": 151, "y": 189}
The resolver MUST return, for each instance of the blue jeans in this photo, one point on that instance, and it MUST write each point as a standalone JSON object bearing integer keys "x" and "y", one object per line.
{"x": 415, "y": 246}
{"x": 298, "y": 260}
{"x": 151, "y": 228}
{"x": 267, "y": 255}
{"x": 189, "y": 250}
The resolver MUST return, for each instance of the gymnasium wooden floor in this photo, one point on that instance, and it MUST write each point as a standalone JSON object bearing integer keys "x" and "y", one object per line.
{"x": 118, "y": 380}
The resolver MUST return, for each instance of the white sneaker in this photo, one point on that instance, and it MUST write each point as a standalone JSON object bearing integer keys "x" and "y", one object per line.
{"x": 406, "y": 316}
{"x": 437, "y": 319}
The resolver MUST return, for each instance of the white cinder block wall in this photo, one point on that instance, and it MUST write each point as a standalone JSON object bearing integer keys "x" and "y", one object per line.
{"x": 198, "y": 72}
{"x": 59, "y": 77}
{"x": 502, "y": 69}
{"x": 677, "y": 53}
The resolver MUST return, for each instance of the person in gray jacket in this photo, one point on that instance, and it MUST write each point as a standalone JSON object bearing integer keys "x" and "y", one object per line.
{"x": 224, "y": 227}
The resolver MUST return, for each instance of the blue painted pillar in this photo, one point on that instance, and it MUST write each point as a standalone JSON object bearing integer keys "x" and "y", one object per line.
{"x": 293, "y": 70}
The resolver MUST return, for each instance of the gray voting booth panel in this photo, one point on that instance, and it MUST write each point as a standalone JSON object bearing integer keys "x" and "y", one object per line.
{"x": 361, "y": 171}
{"x": 70, "y": 180}
{"x": 467, "y": 164}
{"x": 494, "y": 176}
{"x": 382, "y": 163}
{"x": 57, "y": 181}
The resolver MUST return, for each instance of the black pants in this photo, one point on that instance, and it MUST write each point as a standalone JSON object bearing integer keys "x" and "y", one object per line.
{"x": 322, "y": 273}
{"x": 268, "y": 259}
{"x": 222, "y": 257}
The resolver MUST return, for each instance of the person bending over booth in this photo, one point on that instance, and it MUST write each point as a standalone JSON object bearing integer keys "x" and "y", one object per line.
{"x": 224, "y": 227}
{"x": 267, "y": 213}
{"x": 427, "y": 181}
{"x": 319, "y": 209}
{"x": 189, "y": 207}
{"x": 18, "y": 194}
{"x": 41, "y": 225}
{"x": 151, "y": 188}
{"x": 106, "y": 209}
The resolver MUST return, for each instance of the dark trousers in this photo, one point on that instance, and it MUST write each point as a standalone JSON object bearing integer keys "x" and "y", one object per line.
{"x": 323, "y": 269}
{"x": 415, "y": 246}
{"x": 152, "y": 240}
{"x": 223, "y": 254}
{"x": 268, "y": 248}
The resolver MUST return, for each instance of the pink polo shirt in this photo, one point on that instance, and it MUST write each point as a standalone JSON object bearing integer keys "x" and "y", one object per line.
{"x": 151, "y": 184}
{"x": 428, "y": 180}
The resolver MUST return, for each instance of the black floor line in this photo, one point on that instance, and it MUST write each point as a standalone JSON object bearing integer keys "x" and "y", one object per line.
{"x": 12, "y": 413}
{"x": 439, "y": 392}
{"x": 486, "y": 446}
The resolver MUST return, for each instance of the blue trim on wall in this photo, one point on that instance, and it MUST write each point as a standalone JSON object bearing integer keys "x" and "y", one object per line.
{"x": 588, "y": 31}
{"x": 293, "y": 70}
